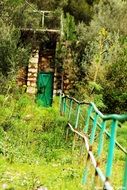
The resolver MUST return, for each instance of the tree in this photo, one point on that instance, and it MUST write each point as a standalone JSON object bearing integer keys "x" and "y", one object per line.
{"x": 12, "y": 53}
{"x": 49, "y": 4}
{"x": 81, "y": 9}
{"x": 115, "y": 88}
{"x": 100, "y": 58}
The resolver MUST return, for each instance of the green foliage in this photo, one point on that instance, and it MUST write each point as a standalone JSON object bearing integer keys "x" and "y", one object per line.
{"x": 11, "y": 55}
{"x": 98, "y": 52}
{"x": 49, "y": 4}
{"x": 112, "y": 15}
{"x": 33, "y": 151}
{"x": 23, "y": 124}
{"x": 69, "y": 27}
{"x": 115, "y": 90}
{"x": 81, "y": 10}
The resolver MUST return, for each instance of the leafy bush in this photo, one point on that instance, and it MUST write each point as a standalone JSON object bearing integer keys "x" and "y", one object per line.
{"x": 100, "y": 57}
{"x": 25, "y": 126}
{"x": 115, "y": 89}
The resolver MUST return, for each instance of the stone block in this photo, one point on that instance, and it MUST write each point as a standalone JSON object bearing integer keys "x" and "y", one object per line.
{"x": 31, "y": 90}
{"x": 55, "y": 80}
{"x": 66, "y": 81}
{"x": 28, "y": 83}
{"x": 29, "y": 74}
{"x": 55, "y": 86}
{"x": 32, "y": 70}
{"x": 35, "y": 55}
{"x": 33, "y": 60}
{"x": 50, "y": 57}
{"x": 33, "y": 84}
{"x": 54, "y": 92}
{"x": 44, "y": 59}
{"x": 33, "y": 65}
{"x": 32, "y": 79}
{"x": 35, "y": 74}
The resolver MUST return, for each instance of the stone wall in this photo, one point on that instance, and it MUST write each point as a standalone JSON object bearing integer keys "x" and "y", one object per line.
{"x": 57, "y": 82}
{"x": 46, "y": 60}
{"x": 43, "y": 60}
{"x": 32, "y": 73}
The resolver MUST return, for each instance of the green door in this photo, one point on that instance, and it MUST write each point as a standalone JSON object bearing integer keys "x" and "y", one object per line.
{"x": 45, "y": 89}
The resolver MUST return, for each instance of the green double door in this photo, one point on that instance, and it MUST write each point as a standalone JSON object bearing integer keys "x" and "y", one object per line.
{"x": 45, "y": 89}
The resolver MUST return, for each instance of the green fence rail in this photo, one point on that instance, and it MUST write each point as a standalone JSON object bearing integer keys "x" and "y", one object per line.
{"x": 88, "y": 123}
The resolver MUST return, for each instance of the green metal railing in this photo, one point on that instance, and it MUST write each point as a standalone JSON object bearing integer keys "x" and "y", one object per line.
{"x": 87, "y": 122}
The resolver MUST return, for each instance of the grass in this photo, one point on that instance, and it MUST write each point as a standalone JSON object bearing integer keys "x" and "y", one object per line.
{"x": 56, "y": 174}
{"x": 34, "y": 153}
